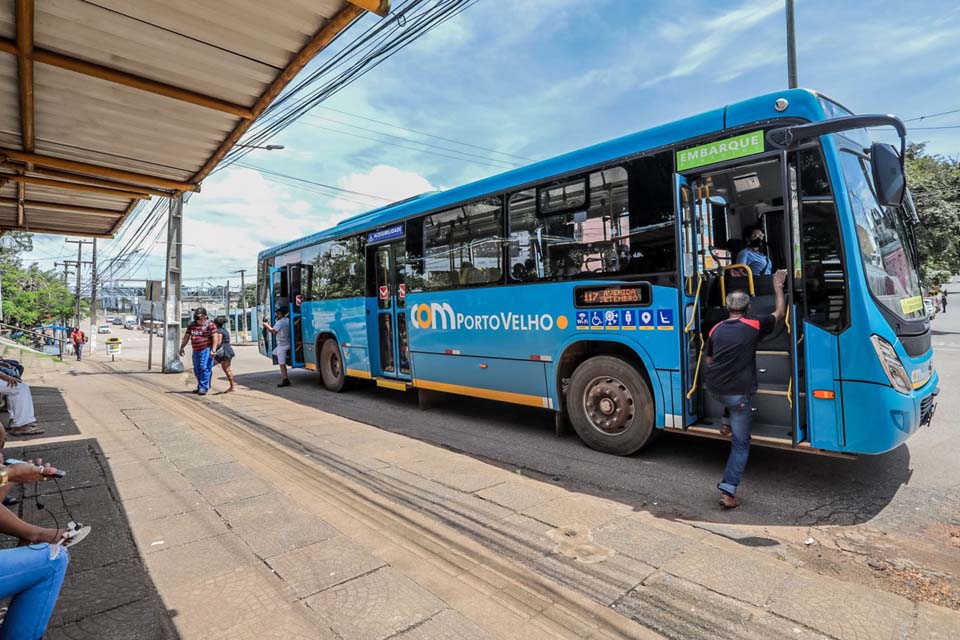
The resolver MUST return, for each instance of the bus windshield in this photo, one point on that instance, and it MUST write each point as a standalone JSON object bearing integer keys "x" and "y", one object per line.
{"x": 884, "y": 241}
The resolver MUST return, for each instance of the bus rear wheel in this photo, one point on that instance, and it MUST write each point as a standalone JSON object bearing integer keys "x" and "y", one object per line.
{"x": 610, "y": 405}
{"x": 332, "y": 370}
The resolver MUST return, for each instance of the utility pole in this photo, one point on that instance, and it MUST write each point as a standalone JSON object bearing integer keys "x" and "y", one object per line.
{"x": 243, "y": 303}
{"x": 227, "y": 305}
{"x": 93, "y": 300}
{"x": 79, "y": 244}
{"x": 791, "y": 48}
{"x": 171, "y": 289}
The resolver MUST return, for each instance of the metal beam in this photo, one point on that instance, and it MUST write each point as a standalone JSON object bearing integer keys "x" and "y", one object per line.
{"x": 97, "y": 170}
{"x": 57, "y": 232}
{"x": 320, "y": 39}
{"x": 379, "y": 7}
{"x": 21, "y": 214}
{"x": 86, "y": 188}
{"x": 110, "y": 184}
{"x": 24, "y": 46}
{"x": 76, "y": 65}
{"x": 59, "y": 206}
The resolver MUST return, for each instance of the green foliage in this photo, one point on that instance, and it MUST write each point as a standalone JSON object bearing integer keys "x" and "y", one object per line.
{"x": 935, "y": 184}
{"x": 31, "y": 296}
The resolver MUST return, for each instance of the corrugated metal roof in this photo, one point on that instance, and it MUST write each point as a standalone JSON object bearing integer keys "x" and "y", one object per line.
{"x": 138, "y": 98}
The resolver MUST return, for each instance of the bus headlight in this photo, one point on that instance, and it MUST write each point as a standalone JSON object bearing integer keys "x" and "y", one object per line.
{"x": 891, "y": 364}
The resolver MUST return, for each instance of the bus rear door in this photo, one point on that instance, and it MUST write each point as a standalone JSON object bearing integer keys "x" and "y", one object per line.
{"x": 392, "y": 350}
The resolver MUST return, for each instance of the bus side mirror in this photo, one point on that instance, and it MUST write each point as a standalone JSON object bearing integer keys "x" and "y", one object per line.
{"x": 887, "y": 174}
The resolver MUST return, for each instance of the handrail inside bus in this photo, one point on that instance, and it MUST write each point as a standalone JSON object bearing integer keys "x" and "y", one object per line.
{"x": 723, "y": 282}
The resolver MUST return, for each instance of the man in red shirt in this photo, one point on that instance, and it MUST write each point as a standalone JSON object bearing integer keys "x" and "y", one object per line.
{"x": 731, "y": 375}
{"x": 78, "y": 339}
{"x": 200, "y": 334}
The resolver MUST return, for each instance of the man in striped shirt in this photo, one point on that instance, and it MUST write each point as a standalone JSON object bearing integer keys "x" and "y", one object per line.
{"x": 200, "y": 334}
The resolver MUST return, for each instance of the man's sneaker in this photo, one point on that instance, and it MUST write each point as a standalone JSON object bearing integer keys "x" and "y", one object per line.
{"x": 201, "y": 393}
{"x": 284, "y": 383}
{"x": 727, "y": 501}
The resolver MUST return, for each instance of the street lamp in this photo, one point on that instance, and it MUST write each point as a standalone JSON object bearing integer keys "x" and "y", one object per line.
{"x": 269, "y": 147}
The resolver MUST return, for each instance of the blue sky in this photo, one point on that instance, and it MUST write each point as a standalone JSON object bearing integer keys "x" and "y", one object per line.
{"x": 551, "y": 76}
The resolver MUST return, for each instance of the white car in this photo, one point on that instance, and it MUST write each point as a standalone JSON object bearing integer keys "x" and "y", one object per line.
{"x": 104, "y": 328}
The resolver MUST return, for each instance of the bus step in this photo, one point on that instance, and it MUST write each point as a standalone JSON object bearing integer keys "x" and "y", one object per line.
{"x": 396, "y": 385}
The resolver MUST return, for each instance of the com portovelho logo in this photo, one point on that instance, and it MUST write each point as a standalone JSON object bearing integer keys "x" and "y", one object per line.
{"x": 440, "y": 315}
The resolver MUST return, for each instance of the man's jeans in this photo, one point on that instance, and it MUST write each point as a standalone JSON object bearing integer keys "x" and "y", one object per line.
{"x": 20, "y": 403}
{"x": 79, "y": 349}
{"x": 33, "y": 578}
{"x": 741, "y": 420}
{"x": 203, "y": 368}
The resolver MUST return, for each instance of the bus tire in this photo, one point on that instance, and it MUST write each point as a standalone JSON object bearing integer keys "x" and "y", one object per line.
{"x": 610, "y": 406}
{"x": 333, "y": 372}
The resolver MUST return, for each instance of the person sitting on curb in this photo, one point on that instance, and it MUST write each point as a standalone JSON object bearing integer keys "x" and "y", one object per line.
{"x": 281, "y": 329}
{"x": 20, "y": 402}
{"x": 31, "y": 575}
{"x": 200, "y": 334}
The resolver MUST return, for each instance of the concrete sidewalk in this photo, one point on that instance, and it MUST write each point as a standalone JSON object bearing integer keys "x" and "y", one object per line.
{"x": 259, "y": 516}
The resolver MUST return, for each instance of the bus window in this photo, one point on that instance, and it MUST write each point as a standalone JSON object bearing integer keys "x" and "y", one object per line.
{"x": 614, "y": 233}
{"x": 461, "y": 247}
{"x": 338, "y": 269}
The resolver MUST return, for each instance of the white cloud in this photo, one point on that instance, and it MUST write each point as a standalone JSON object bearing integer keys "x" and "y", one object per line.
{"x": 383, "y": 181}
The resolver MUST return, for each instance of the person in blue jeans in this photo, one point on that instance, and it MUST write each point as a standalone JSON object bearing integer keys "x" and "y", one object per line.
{"x": 31, "y": 575}
{"x": 200, "y": 333}
{"x": 731, "y": 375}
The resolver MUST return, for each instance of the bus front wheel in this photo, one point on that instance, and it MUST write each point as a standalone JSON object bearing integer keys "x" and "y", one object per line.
{"x": 332, "y": 370}
{"x": 610, "y": 405}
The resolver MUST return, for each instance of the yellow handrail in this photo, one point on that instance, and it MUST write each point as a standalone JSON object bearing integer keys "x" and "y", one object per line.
{"x": 723, "y": 281}
{"x": 696, "y": 301}
{"x": 696, "y": 372}
{"x": 790, "y": 392}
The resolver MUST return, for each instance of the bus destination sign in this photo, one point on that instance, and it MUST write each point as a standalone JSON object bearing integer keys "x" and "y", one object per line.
{"x": 387, "y": 233}
{"x": 633, "y": 295}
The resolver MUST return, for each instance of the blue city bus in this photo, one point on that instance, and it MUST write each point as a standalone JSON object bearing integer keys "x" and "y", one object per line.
{"x": 586, "y": 284}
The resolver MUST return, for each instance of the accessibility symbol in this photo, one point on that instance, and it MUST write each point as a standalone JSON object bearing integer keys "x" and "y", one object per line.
{"x": 583, "y": 321}
{"x": 596, "y": 320}
{"x": 645, "y": 320}
{"x": 665, "y": 319}
{"x": 611, "y": 318}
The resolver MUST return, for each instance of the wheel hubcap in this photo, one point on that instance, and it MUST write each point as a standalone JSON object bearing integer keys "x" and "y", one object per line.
{"x": 609, "y": 405}
{"x": 335, "y": 365}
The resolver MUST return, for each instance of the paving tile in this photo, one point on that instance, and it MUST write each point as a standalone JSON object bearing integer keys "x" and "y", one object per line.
{"x": 294, "y": 622}
{"x": 323, "y": 565}
{"x": 173, "y": 568}
{"x": 446, "y": 625}
{"x": 577, "y": 510}
{"x": 224, "y": 492}
{"x": 272, "y": 525}
{"x": 138, "y": 487}
{"x": 520, "y": 494}
{"x": 190, "y": 457}
{"x": 164, "y": 533}
{"x": 163, "y": 505}
{"x": 936, "y": 623}
{"x": 638, "y": 538}
{"x": 474, "y": 480}
{"x": 843, "y": 610}
{"x": 602, "y": 581}
{"x": 743, "y": 575}
{"x": 375, "y": 606}
{"x": 142, "y": 620}
{"x": 213, "y": 605}
{"x": 205, "y": 475}
{"x": 87, "y": 593}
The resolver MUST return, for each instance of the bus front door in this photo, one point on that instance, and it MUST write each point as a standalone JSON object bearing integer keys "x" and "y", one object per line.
{"x": 279, "y": 299}
{"x": 393, "y": 350}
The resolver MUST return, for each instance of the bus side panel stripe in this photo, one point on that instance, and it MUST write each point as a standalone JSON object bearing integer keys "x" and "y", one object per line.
{"x": 503, "y": 396}
{"x": 358, "y": 373}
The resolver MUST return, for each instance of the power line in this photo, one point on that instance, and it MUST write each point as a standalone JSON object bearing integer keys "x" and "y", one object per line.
{"x": 933, "y": 115}
{"x": 311, "y": 182}
{"x": 426, "y": 144}
{"x": 955, "y": 126}
{"x": 423, "y": 133}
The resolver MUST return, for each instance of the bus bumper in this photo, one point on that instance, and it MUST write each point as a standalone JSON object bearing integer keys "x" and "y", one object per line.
{"x": 878, "y": 419}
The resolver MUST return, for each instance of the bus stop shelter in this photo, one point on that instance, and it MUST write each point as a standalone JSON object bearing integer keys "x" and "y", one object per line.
{"x": 105, "y": 103}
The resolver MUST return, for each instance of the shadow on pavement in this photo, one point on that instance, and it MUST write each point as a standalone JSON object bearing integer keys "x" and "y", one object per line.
{"x": 107, "y": 594}
{"x": 674, "y": 478}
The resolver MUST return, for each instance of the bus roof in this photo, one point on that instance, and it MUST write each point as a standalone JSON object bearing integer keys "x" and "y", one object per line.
{"x": 802, "y": 103}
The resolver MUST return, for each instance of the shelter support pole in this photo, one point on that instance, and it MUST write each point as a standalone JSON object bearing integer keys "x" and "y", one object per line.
{"x": 171, "y": 290}
{"x": 93, "y": 300}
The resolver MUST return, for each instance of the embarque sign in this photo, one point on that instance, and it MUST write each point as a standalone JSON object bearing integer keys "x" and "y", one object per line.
{"x": 745, "y": 144}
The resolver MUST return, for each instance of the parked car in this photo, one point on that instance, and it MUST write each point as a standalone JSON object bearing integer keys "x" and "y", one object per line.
{"x": 129, "y": 324}
{"x": 116, "y": 321}
{"x": 104, "y": 328}
{"x": 931, "y": 307}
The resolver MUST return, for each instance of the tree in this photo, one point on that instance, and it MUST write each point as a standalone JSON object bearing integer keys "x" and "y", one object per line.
{"x": 935, "y": 184}
{"x": 31, "y": 296}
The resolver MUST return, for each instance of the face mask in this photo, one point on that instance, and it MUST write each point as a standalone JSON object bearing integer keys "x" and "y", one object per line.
{"x": 756, "y": 243}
